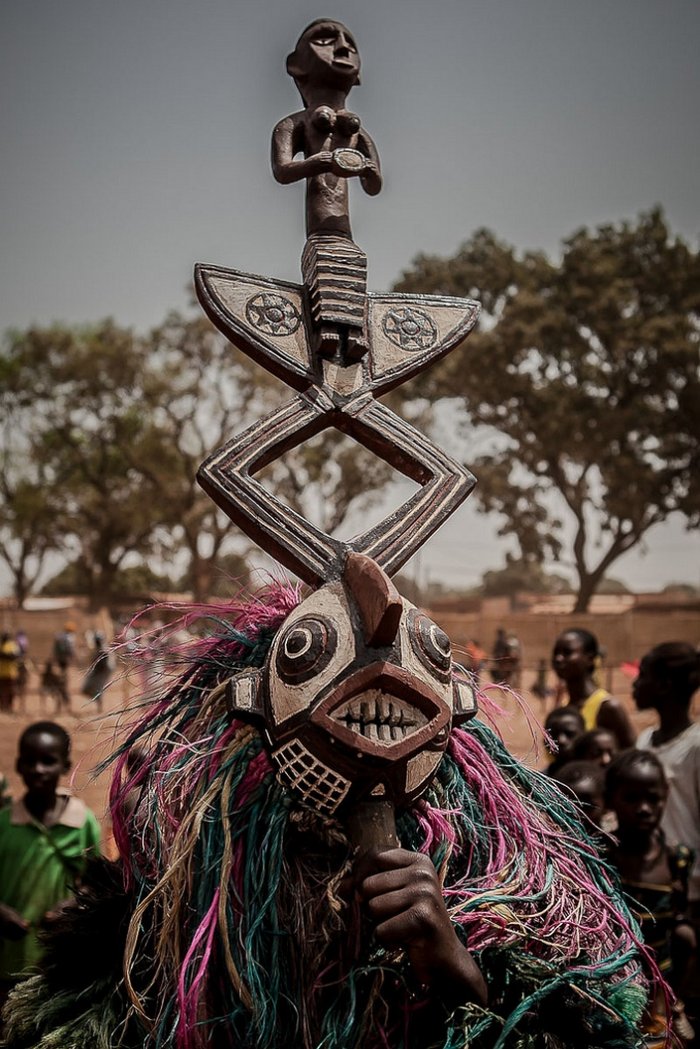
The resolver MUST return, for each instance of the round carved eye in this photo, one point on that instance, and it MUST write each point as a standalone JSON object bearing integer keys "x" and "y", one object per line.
{"x": 305, "y": 649}
{"x": 431, "y": 644}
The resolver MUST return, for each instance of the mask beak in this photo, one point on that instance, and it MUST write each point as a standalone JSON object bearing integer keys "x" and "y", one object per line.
{"x": 378, "y": 601}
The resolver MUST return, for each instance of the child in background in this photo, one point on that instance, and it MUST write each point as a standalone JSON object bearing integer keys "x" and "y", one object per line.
{"x": 653, "y": 873}
{"x": 599, "y": 745}
{"x": 668, "y": 677}
{"x": 563, "y": 725}
{"x": 100, "y": 672}
{"x": 586, "y": 781}
{"x": 51, "y": 686}
{"x": 44, "y": 841}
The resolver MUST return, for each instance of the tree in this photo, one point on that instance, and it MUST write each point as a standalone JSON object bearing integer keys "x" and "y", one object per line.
{"x": 75, "y": 395}
{"x": 584, "y": 379}
{"x": 130, "y": 582}
{"x": 109, "y": 430}
{"x": 523, "y": 575}
{"x": 28, "y": 521}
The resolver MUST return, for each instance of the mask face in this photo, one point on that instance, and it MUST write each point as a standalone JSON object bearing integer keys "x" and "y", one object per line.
{"x": 358, "y": 693}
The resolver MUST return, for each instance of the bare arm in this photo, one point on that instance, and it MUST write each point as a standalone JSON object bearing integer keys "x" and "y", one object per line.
{"x": 285, "y": 144}
{"x": 613, "y": 716}
{"x": 12, "y": 925}
{"x": 371, "y": 177}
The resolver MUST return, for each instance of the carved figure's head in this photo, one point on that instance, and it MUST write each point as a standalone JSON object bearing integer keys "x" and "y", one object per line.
{"x": 358, "y": 693}
{"x": 325, "y": 56}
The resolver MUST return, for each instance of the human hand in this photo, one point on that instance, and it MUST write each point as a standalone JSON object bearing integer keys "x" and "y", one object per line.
{"x": 55, "y": 913}
{"x": 12, "y": 925}
{"x": 403, "y": 898}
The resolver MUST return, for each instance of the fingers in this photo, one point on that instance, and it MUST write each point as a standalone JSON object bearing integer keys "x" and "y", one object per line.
{"x": 403, "y": 899}
{"x": 410, "y": 926}
{"x": 377, "y": 873}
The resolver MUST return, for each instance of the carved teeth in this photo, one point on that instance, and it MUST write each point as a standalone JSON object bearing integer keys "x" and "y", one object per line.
{"x": 379, "y": 717}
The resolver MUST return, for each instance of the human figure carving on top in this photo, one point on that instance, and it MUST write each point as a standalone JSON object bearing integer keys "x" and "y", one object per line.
{"x": 325, "y": 66}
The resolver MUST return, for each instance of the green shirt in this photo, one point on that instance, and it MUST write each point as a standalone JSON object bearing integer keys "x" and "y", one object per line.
{"x": 38, "y": 869}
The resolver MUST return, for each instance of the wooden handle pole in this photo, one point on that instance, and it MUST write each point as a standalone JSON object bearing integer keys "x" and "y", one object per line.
{"x": 371, "y": 825}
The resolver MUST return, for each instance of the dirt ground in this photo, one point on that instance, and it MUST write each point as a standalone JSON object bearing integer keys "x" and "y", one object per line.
{"x": 94, "y": 735}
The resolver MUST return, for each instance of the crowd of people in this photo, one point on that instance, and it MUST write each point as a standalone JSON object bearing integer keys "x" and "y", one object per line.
{"x": 643, "y": 793}
{"x": 641, "y": 797}
{"x": 52, "y": 678}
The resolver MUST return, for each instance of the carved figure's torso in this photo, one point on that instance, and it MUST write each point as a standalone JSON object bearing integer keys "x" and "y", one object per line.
{"x": 316, "y": 131}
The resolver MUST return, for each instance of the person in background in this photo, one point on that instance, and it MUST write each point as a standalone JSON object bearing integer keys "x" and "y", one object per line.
{"x": 563, "y": 726}
{"x": 63, "y": 655}
{"x": 45, "y": 839}
{"x": 513, "y": 660}
{"x": 475, "y": 658}
{"x": 599, "y": 745}
{"x": 498, "y": 654}
{"x": 505, "y": 659}
{"x": 22, "y": 670}
{"x": 100, "y": 672}
{"x": 654, "y": 873}
{"x": 586, "y": 781}
{"x": 51, "y": 686}
{"x": 669, "y": 676}
{"x": 574, "y": 661}
{"x": 9, "y": 672}
{"x": 539, "y": 686}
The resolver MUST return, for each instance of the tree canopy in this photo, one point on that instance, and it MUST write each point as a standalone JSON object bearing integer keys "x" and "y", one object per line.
{"x": 102, "y": 434}
{"x": 584, "y": 385}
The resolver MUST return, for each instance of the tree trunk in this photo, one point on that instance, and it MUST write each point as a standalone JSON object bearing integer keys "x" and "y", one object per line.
{"x": 202, "y": 570}
{"x": 588, "y": 584}
{"x": 20, "y": 589}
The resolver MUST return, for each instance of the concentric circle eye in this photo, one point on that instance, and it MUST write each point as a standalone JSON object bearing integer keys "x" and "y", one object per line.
{"x": 431, "y": 644}
{"x": 305, "y": 649}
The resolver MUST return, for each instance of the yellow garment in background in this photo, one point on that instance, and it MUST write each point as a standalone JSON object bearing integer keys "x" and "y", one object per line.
{"x": 589, "y": 710}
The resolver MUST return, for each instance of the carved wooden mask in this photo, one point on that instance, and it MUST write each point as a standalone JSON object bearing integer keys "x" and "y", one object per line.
{"x": 358, "y": 694}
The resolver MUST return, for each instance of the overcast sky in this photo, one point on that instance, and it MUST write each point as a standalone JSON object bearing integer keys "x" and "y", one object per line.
{"x": 135, "y": 141}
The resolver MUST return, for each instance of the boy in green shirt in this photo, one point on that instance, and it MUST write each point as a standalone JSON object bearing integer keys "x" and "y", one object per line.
{"x": 44, "y": 841}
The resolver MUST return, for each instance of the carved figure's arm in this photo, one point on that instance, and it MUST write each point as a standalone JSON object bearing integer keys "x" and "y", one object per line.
{"x": 371, "y": 177}
{"x": 287, "y": 141}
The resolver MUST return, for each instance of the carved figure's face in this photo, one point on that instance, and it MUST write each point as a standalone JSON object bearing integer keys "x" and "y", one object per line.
{"x": 326, "y": 55}
{"x": 358, "y": 693}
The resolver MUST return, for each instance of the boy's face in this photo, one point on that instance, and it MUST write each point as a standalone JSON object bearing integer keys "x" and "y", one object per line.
{"x": 563, "y": 729}
{"x": 602, "y": 748}
{"x": 590, "y": 798}
{"x": 41, "y": 763}
{"x": 639, "y": 799}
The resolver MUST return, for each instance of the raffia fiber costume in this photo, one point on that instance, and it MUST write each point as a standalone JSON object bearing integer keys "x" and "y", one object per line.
{"x": 228, "y": 921}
